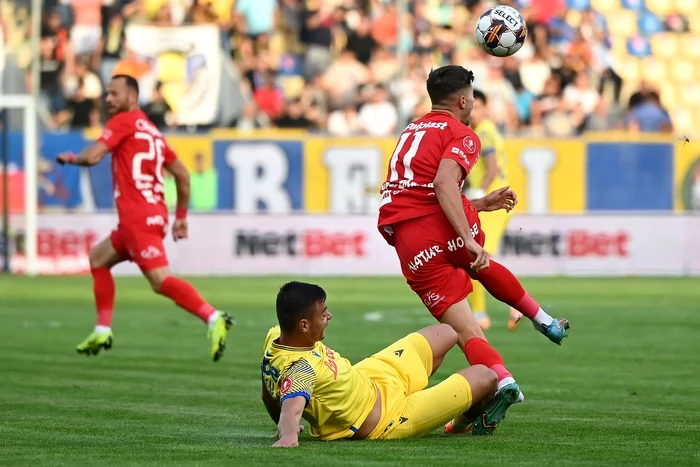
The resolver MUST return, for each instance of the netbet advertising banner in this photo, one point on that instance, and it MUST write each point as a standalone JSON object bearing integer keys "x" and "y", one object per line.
{"x": 300, "y": 245}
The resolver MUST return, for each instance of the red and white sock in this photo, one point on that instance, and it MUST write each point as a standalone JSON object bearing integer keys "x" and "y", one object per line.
{"x": 505, "y": 287}
{"x": 187, "y": 297}
{"x": 104, "y": 290}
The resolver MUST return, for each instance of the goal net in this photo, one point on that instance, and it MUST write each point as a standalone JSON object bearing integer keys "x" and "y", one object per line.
{"x": 19, "y": 180}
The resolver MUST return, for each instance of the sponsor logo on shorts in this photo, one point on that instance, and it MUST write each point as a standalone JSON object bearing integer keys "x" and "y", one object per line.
{"x": 423, "y": 257}
{"x": 285, "y": 386}
{"x": 431, "y": 299}
{"x": 151, "y": 252}
{"x": 402, "y": 420}
{"x": 469, "y": 144}
{"x": 155, "y": 220}
{"x": 456, "y": 243}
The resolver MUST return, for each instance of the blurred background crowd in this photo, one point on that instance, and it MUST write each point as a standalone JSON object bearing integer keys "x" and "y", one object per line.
{"x": 335, "y": 66}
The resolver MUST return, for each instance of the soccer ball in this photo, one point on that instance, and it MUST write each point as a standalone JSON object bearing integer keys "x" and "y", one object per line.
{"x": 501, "y": 31}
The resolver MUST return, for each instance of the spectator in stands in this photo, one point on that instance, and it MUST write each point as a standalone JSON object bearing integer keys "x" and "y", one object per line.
{"x": 344, "y": 121}
{"x": 317, "y": 35}
{"x": 81, "y": 111}
{"x": 294, "y": 117}
{"x": 581, "y": 98}
{"x": 111, "y": 45}
{"x": 269, "y": 97}
{"x": 87, "y": 25}
{"x": 158, "y": 110}
{"x": 344, "y": 76}
{"x": 378, "y": 117}
{"x": 56, "y": 60}
{"x": 647, "y": 115}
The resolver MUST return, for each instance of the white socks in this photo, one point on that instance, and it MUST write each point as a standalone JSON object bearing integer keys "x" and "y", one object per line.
{"x": 101, "y": 329}
{"x": 212, "y": 318}
{"x": 542, "y": 319}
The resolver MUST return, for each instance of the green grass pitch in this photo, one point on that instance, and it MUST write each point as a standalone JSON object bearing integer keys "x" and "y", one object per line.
{"x": 622, "y": 390}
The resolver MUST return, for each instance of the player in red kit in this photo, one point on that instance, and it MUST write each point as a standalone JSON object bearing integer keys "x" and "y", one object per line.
{"x": 437, "y": 234}
{"x": 139, "y": 155}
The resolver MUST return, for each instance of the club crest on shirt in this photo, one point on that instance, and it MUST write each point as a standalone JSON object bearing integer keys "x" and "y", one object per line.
{"x": 469, "y": 144}
{"x": 285, "y": 386}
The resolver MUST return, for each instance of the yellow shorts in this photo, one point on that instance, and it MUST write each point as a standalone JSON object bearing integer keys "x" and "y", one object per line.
{"x": 401, "y": 373}
{"x": 494, "y": 225}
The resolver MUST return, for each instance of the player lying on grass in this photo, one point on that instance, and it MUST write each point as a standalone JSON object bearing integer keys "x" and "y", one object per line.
{"x": 381, "y": 397}
{"x": 436, "y": 231}
{"x": 139, "y": 155}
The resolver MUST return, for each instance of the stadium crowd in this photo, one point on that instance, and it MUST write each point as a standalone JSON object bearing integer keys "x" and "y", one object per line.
{"x": 332, "y": 65}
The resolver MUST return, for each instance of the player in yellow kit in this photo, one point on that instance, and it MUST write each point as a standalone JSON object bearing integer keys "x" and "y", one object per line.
{"x": 381, "y": 397}
{"x": 489, "y": 173}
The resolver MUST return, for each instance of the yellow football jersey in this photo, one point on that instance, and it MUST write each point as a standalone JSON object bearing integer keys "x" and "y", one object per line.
{"x": 339, "y": 398}
{"x": 491, "y": 146}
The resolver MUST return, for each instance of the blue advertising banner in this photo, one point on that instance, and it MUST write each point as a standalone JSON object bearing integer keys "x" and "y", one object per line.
{"x": 276, "y": 173}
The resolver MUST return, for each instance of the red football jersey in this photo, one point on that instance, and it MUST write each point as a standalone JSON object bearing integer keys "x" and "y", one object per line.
{"x": 139, "y": 153}
{"x": 408, "y": 191}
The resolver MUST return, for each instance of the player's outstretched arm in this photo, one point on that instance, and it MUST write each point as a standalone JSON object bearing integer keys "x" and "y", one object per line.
{"x": 271, "y": 405}
{"x": 503, "y": 198}
{"x": 446, "y": 185}
{"x": 182, "y": 185}
{"x": 288, "y": 426}
{"x": 90, "y": 156}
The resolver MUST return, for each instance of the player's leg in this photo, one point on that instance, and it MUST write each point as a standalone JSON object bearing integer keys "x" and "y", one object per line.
{"x": 163, "y": 282}
{"x": 468, "y": 391}
{"x": 477, "y": 349}
{"x": 103, "y": 256}
{"x": 440, "y": 338}
{"x": 494, "y": 223}
{"x": 505, "y": 287}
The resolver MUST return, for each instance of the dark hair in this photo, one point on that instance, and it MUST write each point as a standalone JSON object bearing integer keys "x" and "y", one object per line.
{"x": 480, "y": 96}
{"x": 446, "y": 81}
{"x": 295, "y": 301}
{"x": 131, "y": 82}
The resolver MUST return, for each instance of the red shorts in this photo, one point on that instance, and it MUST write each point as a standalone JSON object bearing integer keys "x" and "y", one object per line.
{"x": 434, "y": 260}
{"x": 144, "y": 245}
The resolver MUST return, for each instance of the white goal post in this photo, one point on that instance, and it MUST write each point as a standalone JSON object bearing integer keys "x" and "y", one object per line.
{"x": 31, "y": 186}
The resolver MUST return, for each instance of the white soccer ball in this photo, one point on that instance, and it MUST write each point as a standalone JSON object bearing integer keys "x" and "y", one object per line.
{"x": 501, "y": 31}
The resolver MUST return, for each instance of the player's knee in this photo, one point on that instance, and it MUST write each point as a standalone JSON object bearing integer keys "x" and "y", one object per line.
{"x": 482, "y": 380}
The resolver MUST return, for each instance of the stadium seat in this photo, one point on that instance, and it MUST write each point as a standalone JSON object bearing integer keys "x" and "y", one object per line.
{"x": 665, "y": 45}
{"x": 682, "y": 118}
{"x": 606, "y": 6}
{"x": 634, "y": 5}
{"x": 682, "y": 70}
{"x": 686, "y": 7}
{"x": 292, "y": 86}
{"x": 691, "y": 94}
{"x": 653, "y": 70}
{"x": 691, "y": 46}
{"x": 660, "y": 8}
{"x": 669, "y": 94}
{"x": 649, "y": 23}
{"x": 639, "y": 46}
{"x": 624, "y": 23}
{"x": 580, "y": 5}
{"x": 694, "y": 21}
{"x": 629, "y": 68}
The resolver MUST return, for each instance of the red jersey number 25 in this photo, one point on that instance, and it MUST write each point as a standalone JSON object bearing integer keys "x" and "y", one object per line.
{"x": 399, "y": 157}
{"x": 150, "y": 186}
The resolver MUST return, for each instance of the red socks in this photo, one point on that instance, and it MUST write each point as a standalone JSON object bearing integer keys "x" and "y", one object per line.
{"x": 187, "y": 297}
{"x": 104, "y": 290}
{"x": 505, "y": 287}
{"x": 479, "y": 352}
